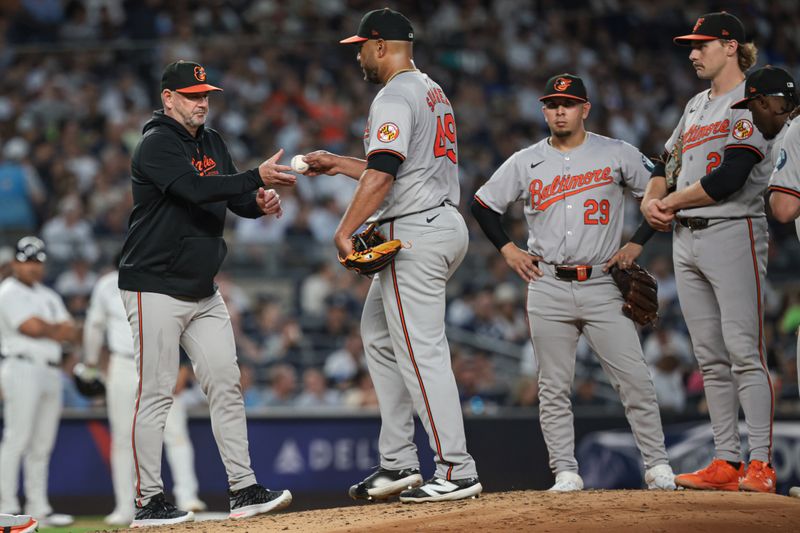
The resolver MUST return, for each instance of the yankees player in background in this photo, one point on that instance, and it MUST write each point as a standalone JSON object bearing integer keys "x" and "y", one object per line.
{"x": 409, "y": 185}
{"x": 33, "y": 324}
{"x": 720, "y": 251}
{"x": 773, "y": 100}
{"x": 184, "y": 180}
{"x": 572, "y": 185}
{"x": 106, "y": 319}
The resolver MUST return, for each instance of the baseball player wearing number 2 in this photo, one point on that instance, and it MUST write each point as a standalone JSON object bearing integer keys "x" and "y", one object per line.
{"x": 409, "y": 186}
{"x": 720, "y": 251}
{"x": 572, "y": 186}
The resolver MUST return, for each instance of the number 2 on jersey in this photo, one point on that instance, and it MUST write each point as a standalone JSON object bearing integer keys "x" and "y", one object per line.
{"x": 445, "y": 131}
{"x": 592, "y": 207}
{"x": 714, "y": 161}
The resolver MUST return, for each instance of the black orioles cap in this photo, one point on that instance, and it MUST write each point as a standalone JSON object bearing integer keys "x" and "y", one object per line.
{"x": 382, "y": 24}
{"x": 186, "y": 77}
{"x": 766, "y": 81}
{"x": 565, "y": 86}
{"x": 713, "y": 26}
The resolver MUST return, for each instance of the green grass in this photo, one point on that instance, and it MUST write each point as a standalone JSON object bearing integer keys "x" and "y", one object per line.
{"x": 83, "y": 524}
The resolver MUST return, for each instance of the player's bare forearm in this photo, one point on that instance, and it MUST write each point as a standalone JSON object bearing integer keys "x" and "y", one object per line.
{"x": 653, "y": 208}
{"x": 523, "y": 263}
{"x": 93, "y": 336}
{"x": 323, "y": 162}
{"x": 785, "y": 207}
{"x": 692, "y": 196}
{"x": 38, "y": 328}
{"x": 372, "y": 189}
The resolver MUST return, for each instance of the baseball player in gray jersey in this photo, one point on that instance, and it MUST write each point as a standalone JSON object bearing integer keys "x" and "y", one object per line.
{"x": 572, "y": 186}
{"x": 33, "y": 324}
{"x": 408, "y": 184}
{"x": 773, "y": 100}
{"x": 720, "y": 251}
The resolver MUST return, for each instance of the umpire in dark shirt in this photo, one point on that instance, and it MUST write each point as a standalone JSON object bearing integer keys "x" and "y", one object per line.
{"x": 184, "y": 181}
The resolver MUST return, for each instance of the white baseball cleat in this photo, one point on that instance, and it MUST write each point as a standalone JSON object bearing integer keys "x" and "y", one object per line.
{"x": 795, "y": 492}
{"x": 660, "y": 477}
{"x": 57, "y": 520}
{"x": 567, "y": 482}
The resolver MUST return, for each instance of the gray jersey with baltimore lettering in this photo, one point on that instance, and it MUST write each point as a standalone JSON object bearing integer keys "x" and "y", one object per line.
{"x": 412, "y": 118}
{"x": 573, "y": 200}
{"x": 709, "y": 126}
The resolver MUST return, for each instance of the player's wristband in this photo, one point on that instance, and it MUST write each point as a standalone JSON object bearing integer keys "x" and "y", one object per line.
{"x": 643, "y": 233}
{"x": 659, "y": 169}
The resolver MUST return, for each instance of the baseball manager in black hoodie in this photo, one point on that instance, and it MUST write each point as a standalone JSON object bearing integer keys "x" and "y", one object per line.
{"x": 184, "y": 181}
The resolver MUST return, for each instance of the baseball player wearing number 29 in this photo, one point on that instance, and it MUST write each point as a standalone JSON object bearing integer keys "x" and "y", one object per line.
{"x": 408, "y": 185}
{"x": 720, "y": 251}
{"x": 572, "y": 186}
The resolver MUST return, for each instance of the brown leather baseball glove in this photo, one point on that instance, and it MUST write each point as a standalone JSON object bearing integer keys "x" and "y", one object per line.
{"x": 371, "y": 251}
{"x": 640, "y": 291}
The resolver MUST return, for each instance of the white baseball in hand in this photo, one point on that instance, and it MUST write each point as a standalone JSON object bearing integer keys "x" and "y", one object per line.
{"x": 298, "y": 165}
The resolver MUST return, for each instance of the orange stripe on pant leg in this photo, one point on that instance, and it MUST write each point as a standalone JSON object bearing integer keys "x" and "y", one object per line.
{"x": 761, "y": 335}
{"x": 414, "y": 362}
{"x": 138, "y": 398}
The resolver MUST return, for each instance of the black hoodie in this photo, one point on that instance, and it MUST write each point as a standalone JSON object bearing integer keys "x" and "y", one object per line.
{"x": 182, "y": 187}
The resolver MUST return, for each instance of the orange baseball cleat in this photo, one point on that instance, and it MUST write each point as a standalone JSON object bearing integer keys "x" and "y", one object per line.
{"x": 719, "y": 475}
{"x": 760, "y": 477}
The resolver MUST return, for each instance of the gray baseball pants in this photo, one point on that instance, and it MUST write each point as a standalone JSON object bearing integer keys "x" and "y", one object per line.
{"x": 407, "y": 353}
{"x": 720, "y": 271}
{"x": 160, "y": 324}
{"x": 559, "y": 312}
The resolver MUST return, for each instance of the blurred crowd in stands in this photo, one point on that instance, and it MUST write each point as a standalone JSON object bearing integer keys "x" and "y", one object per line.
{"x": 78, "y": 79}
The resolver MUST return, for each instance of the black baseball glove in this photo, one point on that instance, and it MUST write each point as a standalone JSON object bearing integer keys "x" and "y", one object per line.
{"x": 371, "y": 251}
{"x": 88, "y": 381}
{"x": 640, "y": 291}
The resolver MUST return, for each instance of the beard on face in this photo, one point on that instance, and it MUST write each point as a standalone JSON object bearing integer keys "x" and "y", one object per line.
{"x": 562, "y": 133}
{"x": 371, "y": 75}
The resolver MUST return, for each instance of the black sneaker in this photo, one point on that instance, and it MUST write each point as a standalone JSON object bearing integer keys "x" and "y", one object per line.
{"x": 255, "y": 499}
{"x": 383, "y": 484}
{"x": 440, "y": 490}
{"x": 159, "y": 512}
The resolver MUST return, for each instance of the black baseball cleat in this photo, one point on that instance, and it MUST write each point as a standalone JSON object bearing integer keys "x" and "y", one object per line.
{"x": 383, "y": 484}
{"x": 159, "y": 512}
{"x": 441, "y": 490}
{"x": 255, "y": 499}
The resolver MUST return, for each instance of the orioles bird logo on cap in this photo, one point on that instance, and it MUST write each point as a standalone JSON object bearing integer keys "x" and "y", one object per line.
{"x": 698, "y": 24}
{"x": 562, "y": 84}
{"x": 200, "y": 73}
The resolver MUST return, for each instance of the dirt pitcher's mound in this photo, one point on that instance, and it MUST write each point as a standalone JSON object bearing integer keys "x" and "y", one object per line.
{"x": 627, "y": 511}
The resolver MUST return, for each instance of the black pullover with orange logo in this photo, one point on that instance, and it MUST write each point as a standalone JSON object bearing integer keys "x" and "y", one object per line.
{"x": 182, "y": 188}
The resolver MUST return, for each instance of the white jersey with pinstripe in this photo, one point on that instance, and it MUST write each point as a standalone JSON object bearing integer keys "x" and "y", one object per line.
{"x": 410, "y": 117}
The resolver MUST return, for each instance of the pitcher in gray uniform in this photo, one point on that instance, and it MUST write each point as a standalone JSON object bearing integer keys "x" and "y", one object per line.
{"x": 720, "y": 251}
{"x": 773, "y": 100}
{"x": 572, "y": 185}
{"x": 408, "y": 184}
